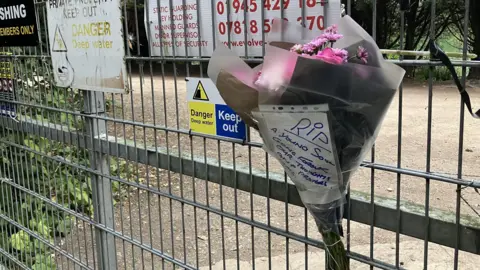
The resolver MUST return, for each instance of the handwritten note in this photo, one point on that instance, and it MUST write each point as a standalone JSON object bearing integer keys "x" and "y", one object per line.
{"x": 300, "y": 138}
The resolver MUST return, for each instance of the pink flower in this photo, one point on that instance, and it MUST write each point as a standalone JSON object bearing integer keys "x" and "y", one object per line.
{"x": 319, "y": 42}
{"x": 362, "y": 54}
{"x": 331, "y": 34}
{"x": 332, "y": 37}
{"x": 342, "y": 53}
{"x": 298, "y": 48}
{"x": 332, "y": 29}
{"x": 309, "y": 48}
{"x": 329, "y": 56}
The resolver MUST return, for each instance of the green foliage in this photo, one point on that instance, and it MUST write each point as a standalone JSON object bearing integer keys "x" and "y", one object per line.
{"x": 21, "y": 241}
{"x": 124, "y": 170}
{"x": 44, "y": 167}
{"x": 438, "y": 73}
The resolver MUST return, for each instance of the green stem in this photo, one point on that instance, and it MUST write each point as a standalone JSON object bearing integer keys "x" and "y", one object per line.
{"x": 335, "y": 251}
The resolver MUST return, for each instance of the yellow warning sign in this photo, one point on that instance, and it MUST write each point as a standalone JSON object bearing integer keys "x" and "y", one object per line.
{"x": 200, "y": 93}
{"x": 58, "y": 42}
{"x": 202, "y": 117}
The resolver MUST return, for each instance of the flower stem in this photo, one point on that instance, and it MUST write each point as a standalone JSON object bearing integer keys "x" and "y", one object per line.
{"x": 335, "y": 251}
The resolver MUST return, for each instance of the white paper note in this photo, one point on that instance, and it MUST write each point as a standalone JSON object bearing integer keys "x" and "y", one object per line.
{"x": 300, "y": 138}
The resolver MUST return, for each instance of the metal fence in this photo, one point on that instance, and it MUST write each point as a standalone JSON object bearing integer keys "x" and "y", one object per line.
{"x": 96, "y": 181}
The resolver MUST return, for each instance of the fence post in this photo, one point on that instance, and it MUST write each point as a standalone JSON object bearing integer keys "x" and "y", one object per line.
{"x": 94, "y": 104}
{"x": 332, "y": 15}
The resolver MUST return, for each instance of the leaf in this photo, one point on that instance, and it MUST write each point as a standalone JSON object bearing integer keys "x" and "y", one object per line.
{"x": 25, "y": 206}
{"x": 71, "y": 187}
{"x": 115, "y": 186}
{"x": 65, "y": 226}
{"x": 43, "y": 229}
{"x": 20, "y": 241}
{"x": 47, "y": 259}
{"x": 91, "y": 210}
{"x": 86, "y": 197}
{"x": 63, "y": 117}
{"x": 44, "y": 266}
{"x": 45, "y": 172}
{"x": 44, "y": 260}
{"x": 67, "y": 150}
{"x": 39, "y": 245}
{"x": 113, "y": 165}
{"x": 36, "y": 147}
{"x": 33, "y": 224}
{"x": 32, "y": 145}
{"x": 123, "y": 163}
{"x": 77, "y": 193}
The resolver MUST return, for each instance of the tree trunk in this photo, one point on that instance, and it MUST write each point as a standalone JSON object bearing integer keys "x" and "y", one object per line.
{"x": 475, "y": 24}
{"x": 411, "y": 26}
{"x": 474, "y": 73}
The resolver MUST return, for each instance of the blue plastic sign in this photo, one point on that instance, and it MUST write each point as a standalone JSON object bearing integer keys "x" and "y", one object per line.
{"x": 208, "y": 112}
{"x": 229, "y": 124}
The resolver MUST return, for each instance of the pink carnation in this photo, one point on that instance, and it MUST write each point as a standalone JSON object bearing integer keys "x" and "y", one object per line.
{"x": 319, "y": 42}
{"x": 332, "y": 37}
{"x": 342, "y": 53}
{"x": 309, "y": 48}
{"x": 362, "y": 54}
{"x": 332, "y": 29}
{"x": 297, "y": 48}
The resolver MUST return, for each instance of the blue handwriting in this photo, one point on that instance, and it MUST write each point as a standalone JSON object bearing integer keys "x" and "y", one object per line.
{"x": 313, "y": 133}
{"x": 276, "y": 139}
{"x": 293, "y": 134}
{"x": 287, "y": 165}
{"x": 285, "y": 152}
{"x": 290, "y": 140}
{"x": 307, "y": 177}
{"x": 317, "y": 154}
{"x": 310, "y": 164}
{"x": 314, "y": 174}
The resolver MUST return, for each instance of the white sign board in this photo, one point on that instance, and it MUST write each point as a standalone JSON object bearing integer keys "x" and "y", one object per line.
{"x": 86, "y": 44}
{"x": 195, "y": 26}
{"x": 208, "y": 112}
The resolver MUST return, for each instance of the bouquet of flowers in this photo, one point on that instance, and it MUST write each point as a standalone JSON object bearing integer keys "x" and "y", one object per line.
{"x": 318, "y": 101}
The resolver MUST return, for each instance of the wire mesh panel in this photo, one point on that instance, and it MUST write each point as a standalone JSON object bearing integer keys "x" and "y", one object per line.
{"x": 119, "y": 181}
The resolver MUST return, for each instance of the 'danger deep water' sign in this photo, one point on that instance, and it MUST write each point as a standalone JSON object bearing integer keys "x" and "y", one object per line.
{"x": 87, "y": 45}
{"x": 18, "y": 26}
{"x": 208, "y": 112}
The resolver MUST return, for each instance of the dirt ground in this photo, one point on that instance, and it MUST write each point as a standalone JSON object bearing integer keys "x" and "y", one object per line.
{"x": 203, "y": 238}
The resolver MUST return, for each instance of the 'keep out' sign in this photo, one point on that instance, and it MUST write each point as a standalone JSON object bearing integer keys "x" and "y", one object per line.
{"x": 229, "y": 124}
{"x": 208, "y": 112}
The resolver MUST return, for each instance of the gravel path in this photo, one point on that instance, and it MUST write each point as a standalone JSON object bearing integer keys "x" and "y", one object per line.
{"x": 151, "y": 220}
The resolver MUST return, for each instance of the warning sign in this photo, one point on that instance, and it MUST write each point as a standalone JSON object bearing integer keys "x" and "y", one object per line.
{"x": 200, "y": 93}
{"x": 208, "y": 112}
{"x": 59, "y": 42}
{"x": 88, "y": 50}
{"x": 202, "y": 117}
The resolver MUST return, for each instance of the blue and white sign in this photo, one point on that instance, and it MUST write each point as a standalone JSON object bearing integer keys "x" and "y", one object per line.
{"x": 208, "y": 112}
{"x": 229, "y": 124}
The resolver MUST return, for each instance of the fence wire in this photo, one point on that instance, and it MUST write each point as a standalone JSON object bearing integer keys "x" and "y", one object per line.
{"x": 118, "y": 181}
